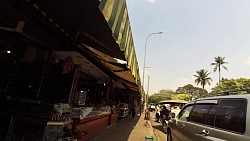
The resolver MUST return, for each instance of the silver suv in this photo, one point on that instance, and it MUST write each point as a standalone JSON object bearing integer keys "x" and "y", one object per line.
{"x": 220, "y": 118}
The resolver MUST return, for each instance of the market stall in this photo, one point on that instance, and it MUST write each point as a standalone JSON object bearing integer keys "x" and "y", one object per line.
{"x": 49, "y": 89}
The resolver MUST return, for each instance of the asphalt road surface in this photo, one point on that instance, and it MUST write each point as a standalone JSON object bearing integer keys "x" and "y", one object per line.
{"x": 157, "y": 128}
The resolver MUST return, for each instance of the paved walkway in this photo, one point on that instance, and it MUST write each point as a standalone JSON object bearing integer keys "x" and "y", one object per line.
{"x": 126, "y": 129}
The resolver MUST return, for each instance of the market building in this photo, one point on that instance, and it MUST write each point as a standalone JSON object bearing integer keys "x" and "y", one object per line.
{"x": 64, "y": 68}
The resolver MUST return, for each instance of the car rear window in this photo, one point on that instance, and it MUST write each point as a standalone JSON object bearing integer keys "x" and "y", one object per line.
{"x": 231, "y": 115}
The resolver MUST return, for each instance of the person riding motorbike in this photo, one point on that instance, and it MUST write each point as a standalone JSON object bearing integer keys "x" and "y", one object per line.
{"x": 164, "y": 113}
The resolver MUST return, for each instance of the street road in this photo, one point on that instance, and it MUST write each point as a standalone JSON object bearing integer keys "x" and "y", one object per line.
{"x": 159, "y": 135}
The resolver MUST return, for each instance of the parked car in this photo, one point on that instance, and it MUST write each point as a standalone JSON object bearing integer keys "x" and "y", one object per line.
{"x": 220, "y": 118}
{"x": 123, "y": 110}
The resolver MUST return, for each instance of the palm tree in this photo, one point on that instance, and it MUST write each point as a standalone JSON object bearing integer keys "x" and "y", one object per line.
{"x": 218, "y": 64}
{"x": 202, "y": 78}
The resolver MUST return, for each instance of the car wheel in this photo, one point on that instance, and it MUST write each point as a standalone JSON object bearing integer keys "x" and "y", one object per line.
{"x": 164, "y": 127}
{"x": 169, "y": 135}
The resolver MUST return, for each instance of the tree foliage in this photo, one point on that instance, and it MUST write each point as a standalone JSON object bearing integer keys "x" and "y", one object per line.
{"x": 202, "y": 77}
{"x": 218, "y": 64}
{"x": 155, "y": 98}
{"x": 231, "y": 84}
{"x": 186, "y": 97}
{"x": 164, "y": 94}
{"x": 190, "y": 89}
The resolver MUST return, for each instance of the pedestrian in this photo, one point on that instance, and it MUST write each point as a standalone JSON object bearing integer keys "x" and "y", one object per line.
{"x": 133, "y": 111}
{"x": 157, "y": 113}
{"x": 164, "y": 114}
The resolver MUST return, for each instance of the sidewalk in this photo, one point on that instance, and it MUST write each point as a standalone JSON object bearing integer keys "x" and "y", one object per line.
{"x": 126, "y": 129}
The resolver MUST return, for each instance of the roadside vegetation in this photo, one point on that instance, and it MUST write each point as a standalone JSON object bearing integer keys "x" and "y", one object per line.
{"x": 202, "y": 78}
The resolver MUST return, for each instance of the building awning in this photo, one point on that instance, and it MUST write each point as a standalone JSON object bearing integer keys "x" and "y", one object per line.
{"x": 117, "y": 69}
{"x": 116, "y": 15}
{"x": 80, "y": 20}
{"x": 101, "y": 24}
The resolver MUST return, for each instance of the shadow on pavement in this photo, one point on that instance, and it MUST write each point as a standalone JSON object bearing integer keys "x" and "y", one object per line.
{"x": 157, "y": 127}
{"x": 117, "y": 132}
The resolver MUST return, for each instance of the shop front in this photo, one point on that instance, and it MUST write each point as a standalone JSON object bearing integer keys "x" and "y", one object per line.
{"x": 58, "y": 99}
{"x": 61, "y": 73}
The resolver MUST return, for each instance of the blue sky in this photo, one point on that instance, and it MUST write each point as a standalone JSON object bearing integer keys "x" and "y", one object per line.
{"x": 194, "y": 32}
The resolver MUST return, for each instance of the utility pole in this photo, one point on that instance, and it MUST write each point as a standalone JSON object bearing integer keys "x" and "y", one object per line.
{"x": 148, "y": 89}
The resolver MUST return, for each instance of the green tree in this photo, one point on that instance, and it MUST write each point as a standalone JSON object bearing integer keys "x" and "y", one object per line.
{"x": 155, "y": 98}
{"x": 202, "y": 77}
{"x": 231, "y": 84}
{"x": 164, "y": 94}
{"x": 218, "y": 64}
{"x": 187, "y": 89}
{"x": 190, "y": 89}
{"x": 186, "y": 97}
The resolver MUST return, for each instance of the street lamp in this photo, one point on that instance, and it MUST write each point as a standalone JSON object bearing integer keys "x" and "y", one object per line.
{"x": 143, "y": 73}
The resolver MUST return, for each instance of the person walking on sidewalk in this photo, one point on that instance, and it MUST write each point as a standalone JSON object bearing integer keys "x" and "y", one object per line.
{"x": 157, "y": 113}
{"x": 133, "y": 111}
